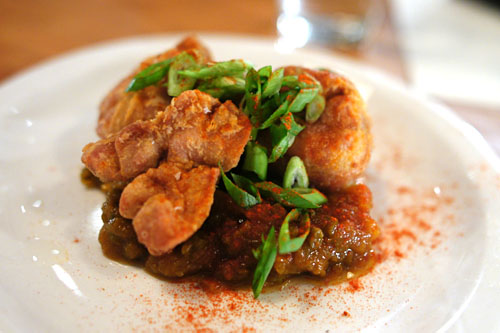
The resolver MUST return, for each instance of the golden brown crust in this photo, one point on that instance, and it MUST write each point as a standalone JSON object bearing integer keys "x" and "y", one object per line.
{"x": 195, "y": 129}
{"x": 120, "y": 108}
{"x": 336, "y": 148}
{"x": 102, "y": 159}
{"x": 169, "y": 204}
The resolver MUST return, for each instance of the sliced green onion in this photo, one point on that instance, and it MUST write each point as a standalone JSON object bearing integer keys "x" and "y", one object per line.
{"x": 177, "y": 84}
{"x": 267, "y": 108}
{"x": 283, "y": 136}
{"x": 290, "y": 81}
{"x": 283, "y": 108}
{"x": 150, "y": 75}
{"x": 253, "y": 134}
{"x": 288, "y": 120}
{"x": 287, "y": 197}
{"x": 287, "y": 245}
{"x": 273, "y": 84}
{"x": 256, "y": 159}
{"x": 247, "y": 185}
{"x": 223, "y": 87}
{"x": 304, "y": 96}
{"x": 306, "y": 80}
{"x": 212, "y": 70}
{"x": 257, "y": 252}
{"x": 267, "y": 256}
{"x": 240, "y": 196}
{"x": 288, "y": 95}
{"x": 265, "y": 72}
{"x": 295, "y": 174}
{"x": 252, "y": 95}
{"x": 315, "y": 108}
{"x": 281, "y": 140}
{"x": 313, "y": 195}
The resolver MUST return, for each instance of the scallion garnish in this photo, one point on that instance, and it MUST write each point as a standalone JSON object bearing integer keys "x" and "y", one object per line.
{"x": 256, "y": 159}
{"x": 282, "y": 109}
{"x": 183, "y": 72}
{"x": 283, "y": 136}
{"x": 177, "y": 83}
{"x": 218, "y": 69}
{"x": 252, "y": 96}
{"x": 150, "y": 75}
{"x": 285, "y": 243}
{"x": 304, "y": 96}
{"x": 240, "y": 196}
{"x": 266, "y": 255}
{"x": 290, "y": 197}
{"x": 273, "y": 84}
{"x": 312, "y": 195}
{"x": 265, "y": 72}
{"x": 228, "y": 87}
{"x": 247, "y": 185}
{"x": 315, "y": 108}
{"x": 295, "y": 174}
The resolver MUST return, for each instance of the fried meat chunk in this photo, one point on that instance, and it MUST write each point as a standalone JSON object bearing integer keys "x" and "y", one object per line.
{"x": 169, "y": 204}
{"x": 195, "y": 129}
{"x": 120, "y": 108}
{"x": 336, "y": 148}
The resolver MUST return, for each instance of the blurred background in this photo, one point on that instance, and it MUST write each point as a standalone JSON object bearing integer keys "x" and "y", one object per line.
{"x": 448, "y": 49}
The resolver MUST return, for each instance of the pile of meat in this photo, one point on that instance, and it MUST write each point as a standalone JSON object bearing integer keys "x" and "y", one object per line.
{"x": 168, "y": 150}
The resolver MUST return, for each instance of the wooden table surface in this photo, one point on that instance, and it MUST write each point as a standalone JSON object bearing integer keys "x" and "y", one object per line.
{"x": 32, "y": 31}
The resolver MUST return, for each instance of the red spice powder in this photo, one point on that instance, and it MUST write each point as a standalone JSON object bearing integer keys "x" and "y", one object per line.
{"x": 355, "y": 285}
{"x": 404, "y": 190}
{"x": 287, "y": 121}
{"x": 399, "y": 254}
{"x": 405, "y": 227}
{"x": 424, "y": 225}
{"x": 305, "y": 79}
{"x": 222, "y": 304}
{"x": 398, "y": 234}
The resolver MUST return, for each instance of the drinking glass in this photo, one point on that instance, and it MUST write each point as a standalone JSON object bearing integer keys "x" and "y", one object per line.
{"x": 339, "y": 23}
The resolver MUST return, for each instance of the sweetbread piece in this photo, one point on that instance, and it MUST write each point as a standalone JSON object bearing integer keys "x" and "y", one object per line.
{"x": 120, "y": 108}
{"x": 336, "y": 148}
{"x": 169, "y": 204}
{"x": 196, "y": 128}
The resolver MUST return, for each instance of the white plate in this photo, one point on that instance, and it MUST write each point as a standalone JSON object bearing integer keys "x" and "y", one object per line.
{"x": 435, "y": 184}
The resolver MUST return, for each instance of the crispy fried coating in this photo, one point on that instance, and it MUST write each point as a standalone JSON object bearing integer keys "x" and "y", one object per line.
{"x": 124, "y": 155}
{"x": 102, "y": 157}
{"x": 336, "y": 148}
{"x": 119, "y": 108}
{"x": 195, "y": 129}
{"x": 204, "y": 131}
{"x": 169, "y": 204}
